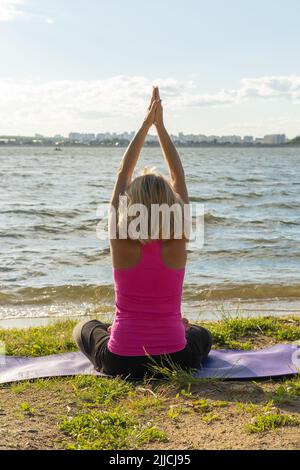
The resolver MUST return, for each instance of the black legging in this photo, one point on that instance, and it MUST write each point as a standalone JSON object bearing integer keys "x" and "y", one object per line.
{"x": 92, "y": 338}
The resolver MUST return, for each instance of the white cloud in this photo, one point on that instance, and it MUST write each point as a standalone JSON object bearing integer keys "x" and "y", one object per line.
{"x": 34, "y": 104}
{"x": 11, "y": 9}
{"x": 287, "y": 87}
{"x": 120, "y": 101}
{"x": 271, "y": 88}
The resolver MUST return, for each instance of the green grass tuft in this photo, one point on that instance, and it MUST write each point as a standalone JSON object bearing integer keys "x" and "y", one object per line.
{"x": 210, "y": 417}
{"x": 39, "y": 341}
{"x": 231, "y": 332}
{"x": 27, "y": 410}
{"x": 100, "y": 430}
{"x": 286, "y": 392}
{"x": 152, "y": 434}
{"x": 98, "y": 390}
{"x": 269, "y": 421}
{"x": 108, "y": 430}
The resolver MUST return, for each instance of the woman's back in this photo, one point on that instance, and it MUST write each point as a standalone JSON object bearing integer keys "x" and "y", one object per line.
{"x": 148, "y": 296}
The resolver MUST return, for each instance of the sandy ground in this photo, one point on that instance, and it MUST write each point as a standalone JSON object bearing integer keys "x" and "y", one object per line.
{"x": 187, "y": 431}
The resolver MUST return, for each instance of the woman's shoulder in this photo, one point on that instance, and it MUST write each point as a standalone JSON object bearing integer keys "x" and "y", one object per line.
{"x": 174, "y": 253}
{"x": 125, "y": 253}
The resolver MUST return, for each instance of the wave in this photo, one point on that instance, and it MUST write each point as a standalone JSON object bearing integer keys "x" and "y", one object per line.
{"x": 210, "y": 218}
{"x": 210, "y": 198}
{"x": 249, "y": 195}
{"x": 242, "y": 291}
{"x": 57, "y": 294}
{"x": 277, "y": 205}
{"x": 104, "y": 294}
{"x": 241, "y": 180}
{"x": 7, "y": 234}
{"x": 61, "y": 227}
{"x": 44, "y": 212}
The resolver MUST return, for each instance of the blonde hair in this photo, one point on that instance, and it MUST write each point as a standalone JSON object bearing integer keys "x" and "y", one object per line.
{"x": 152, "y": 188}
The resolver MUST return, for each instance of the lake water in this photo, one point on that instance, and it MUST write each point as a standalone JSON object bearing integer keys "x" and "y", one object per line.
{"x": 52, "y": 264}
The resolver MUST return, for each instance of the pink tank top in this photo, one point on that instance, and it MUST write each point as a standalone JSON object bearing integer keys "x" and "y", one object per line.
{"x": 148, "y": 307}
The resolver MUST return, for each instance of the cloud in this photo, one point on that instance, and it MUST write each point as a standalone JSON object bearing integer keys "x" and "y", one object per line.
{"x": 82, "y": 103}
{"x": 119, "y": 101}
{"x": 271, "y": 88}
{"x": 286, "y": 87}
{"x": 11, "y": 9}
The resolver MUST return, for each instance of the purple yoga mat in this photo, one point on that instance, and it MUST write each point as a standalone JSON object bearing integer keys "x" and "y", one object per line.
{"x": 280, "y": 360}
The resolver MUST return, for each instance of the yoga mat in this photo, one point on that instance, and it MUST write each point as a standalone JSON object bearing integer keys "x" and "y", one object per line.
{"x": 279, "y": 360}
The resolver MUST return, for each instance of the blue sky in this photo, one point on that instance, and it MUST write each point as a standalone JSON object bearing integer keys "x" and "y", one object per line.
{"x": 223, "y": 67}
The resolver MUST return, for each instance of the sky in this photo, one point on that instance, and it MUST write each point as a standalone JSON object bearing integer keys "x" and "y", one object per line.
{"x": 223, "y": 67}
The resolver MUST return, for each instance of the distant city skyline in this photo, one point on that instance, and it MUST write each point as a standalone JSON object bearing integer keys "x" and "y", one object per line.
{"x": 125, "y": 137}
{"x": 130, "y": 134}
{"x": 223, "y": 67}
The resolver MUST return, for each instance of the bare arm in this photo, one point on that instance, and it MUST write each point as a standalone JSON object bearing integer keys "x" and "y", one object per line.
{"x": 132, "y": 154}
{"x": 174, "y": 163}
{"x": 171, "y": 155}
{"x": 128, "y": 163}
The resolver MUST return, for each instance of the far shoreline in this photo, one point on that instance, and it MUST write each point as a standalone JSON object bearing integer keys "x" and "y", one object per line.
{"x": 152, "y": 145}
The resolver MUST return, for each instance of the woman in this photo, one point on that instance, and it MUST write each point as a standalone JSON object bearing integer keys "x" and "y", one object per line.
{"x": 148, "y": 275}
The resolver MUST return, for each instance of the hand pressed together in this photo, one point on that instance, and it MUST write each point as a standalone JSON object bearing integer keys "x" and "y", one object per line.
{"x": 154, "y": 115}
{"x": 150, "y": 115}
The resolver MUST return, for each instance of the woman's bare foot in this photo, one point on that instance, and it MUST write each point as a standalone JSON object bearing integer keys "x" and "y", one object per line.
{"x": 186, "y": 324}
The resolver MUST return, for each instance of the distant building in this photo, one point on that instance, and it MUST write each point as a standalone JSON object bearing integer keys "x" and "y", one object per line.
{"x": 74, "y": 136}
{"x": 81, "y": 138}
{"x": 275, "y": 139}
{"x": 151, "y": 138}
{"x": 126, "y": 135}
{"x": 230, "y": 139}
{"x": 122, "y": 138}
{"x": 201, "y": 138}
{"x": 103, "y": 136}
{"x": 182, "y": 138}
{"x": 212, "y": 139}
{"x": 248, "y": 139}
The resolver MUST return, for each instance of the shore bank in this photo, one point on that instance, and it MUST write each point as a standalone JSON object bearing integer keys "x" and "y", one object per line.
{"x": 27, "y": 316}
{"x": 178, "y": 413}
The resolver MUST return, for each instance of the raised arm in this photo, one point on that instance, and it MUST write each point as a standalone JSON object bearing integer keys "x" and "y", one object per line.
{"x": 132, "y": 153}
{"x": 170, "y": 154}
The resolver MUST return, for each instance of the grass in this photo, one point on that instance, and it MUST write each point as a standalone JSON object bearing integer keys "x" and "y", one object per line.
{"x": 242, "y": 333}
{"x": 286, "y": 392}
{"x": 263, "y": 422}
{"x": 27, "y": 410}
{"x": 233, "y": 333}
{"x": 210, "y": 418}
{"x": 39, "y": 341}
{"x": 100, "y": 430}
{"x": 109, "y": 430}
{"x": 90, "y": 412}
{"x": 98, "y": 390}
